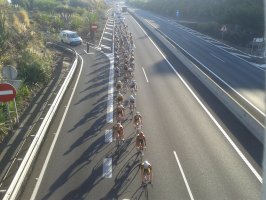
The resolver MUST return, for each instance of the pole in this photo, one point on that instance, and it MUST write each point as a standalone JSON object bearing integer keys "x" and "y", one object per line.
{"x": 9, "y": 116}
{"x": 16, "y": 111}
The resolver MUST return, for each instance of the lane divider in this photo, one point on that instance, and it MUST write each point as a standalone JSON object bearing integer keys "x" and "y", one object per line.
{"x": 107, "y": 167}
{"x": 184, "y": 176}
{"x": 108, "y": 136}
{"x": 145, "y": 75}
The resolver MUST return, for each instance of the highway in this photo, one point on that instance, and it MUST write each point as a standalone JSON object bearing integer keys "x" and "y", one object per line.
{"x": 245, "y": 78}
{"x": 197, "y": 148}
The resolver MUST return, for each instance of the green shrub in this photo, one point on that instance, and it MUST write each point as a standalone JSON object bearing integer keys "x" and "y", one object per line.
{"x": 33, "y": 68}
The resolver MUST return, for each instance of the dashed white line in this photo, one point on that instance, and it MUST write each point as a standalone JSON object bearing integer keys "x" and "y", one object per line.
{"x": 184, "y": 176}
{"x": 217, "y": 57}
{"x": 145, "y": 75}
{"x": 107, "y": 167}
{"x": 108, "y": 136}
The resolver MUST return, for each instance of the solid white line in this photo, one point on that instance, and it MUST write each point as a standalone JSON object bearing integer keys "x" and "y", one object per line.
{"x": 145, "y": 75}
{"x": 217, "y": 57}
{"x": 184, "y": 176}
{"x": 33, "y": 196}
{"x": 6, "y": 92}
{"x": 107, "y": 167}
{"x": 108, "y": 136}
{"x": 209, "y": 114}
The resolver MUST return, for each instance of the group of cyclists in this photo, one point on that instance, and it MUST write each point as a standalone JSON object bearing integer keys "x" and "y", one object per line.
{"x": 124, "y": 65}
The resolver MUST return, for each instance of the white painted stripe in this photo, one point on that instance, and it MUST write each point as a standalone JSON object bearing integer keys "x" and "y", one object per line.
{"x": 242, "y": 55}
{"x": 108, "y": 136}
{"x": 102, "y": 34}
{"x": 110, "y": 107}
{"x": 88, "y": 53}
{"x": 33, "y": 196}
{"x": 107, "y": 33}
{"x": 209, "y": 114}
{"x": 145, "y": 75}
{"x": 184, "y": 176}
{"x": 104, "y": 38}
{"x": 107, "y": 167}
{"x": 106, "y": 47}
{"x": 217, "y": 57}
{"x": 108, "y": 28}
{"x": 6, "y": 92}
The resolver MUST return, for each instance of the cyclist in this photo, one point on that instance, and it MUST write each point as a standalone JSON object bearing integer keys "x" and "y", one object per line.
{"x": 133, "y": 86}
{"x": 120, "y": 98}
{"x": 137, "y": 119}
{"x": 132, "y": 104}
{"x": 120, "y": 112}
{"x": 119, "y": 85}
{"x": 146, "y": 170}
{"x": 119, "y": 131}
{"x": 140, "y": 141}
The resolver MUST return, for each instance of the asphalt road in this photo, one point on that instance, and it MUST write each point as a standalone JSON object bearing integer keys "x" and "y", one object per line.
{"x": 191, "y": 157}
{"x": 245, "y": 78}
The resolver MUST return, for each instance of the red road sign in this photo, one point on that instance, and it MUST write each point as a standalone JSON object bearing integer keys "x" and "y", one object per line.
{"x": 7, "y": 92}
{"x": 94, "y": 27}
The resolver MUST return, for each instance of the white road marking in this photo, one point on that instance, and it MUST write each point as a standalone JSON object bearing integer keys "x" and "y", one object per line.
{"x": 145, "y": 75}
{"x": 238, "y": 54}
{"x": 110, "y": 107}
{"x": 104, "y": 38}
{"x": 88, "y": 53}
{"x": 184, "y": 176}
{"x": 206, "y": 110}
{"x": 107, "y": 33}
{"x": 106, "y": 47}
{"x": 6, "y": 92}
{"x": 108, "y": 28}
{"x": 108, "y": 136}
{"x": 107, "y": 167}
{"x": 33, "y": 196}
{"x": 217, "y": 57}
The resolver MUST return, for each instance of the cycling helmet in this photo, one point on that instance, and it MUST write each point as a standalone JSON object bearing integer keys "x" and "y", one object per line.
{"x": 146, "y": 164}
{"x": 137, "y": 113}
{"x": 132, "y": 97}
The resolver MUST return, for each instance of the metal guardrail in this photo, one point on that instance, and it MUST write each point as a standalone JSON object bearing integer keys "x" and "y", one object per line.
{"x": 242, "y": 110}
{"x": 27, "y": 161}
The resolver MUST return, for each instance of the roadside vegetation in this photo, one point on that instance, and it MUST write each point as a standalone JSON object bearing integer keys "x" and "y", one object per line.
{"x": 25, "y": 28}
{"x": 244, "y": 19}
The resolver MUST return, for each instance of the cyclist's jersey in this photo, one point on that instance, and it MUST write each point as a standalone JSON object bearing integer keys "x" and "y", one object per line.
{"x": 119, "y": 85}
{"x": 148, "y": 170}
{"x": 120, "y": 98}
{"x": 137, "y": 117}
{"x": 140, "y": 139}
{"x": 133, "y": 84}
{"x": 132, "y": 100}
